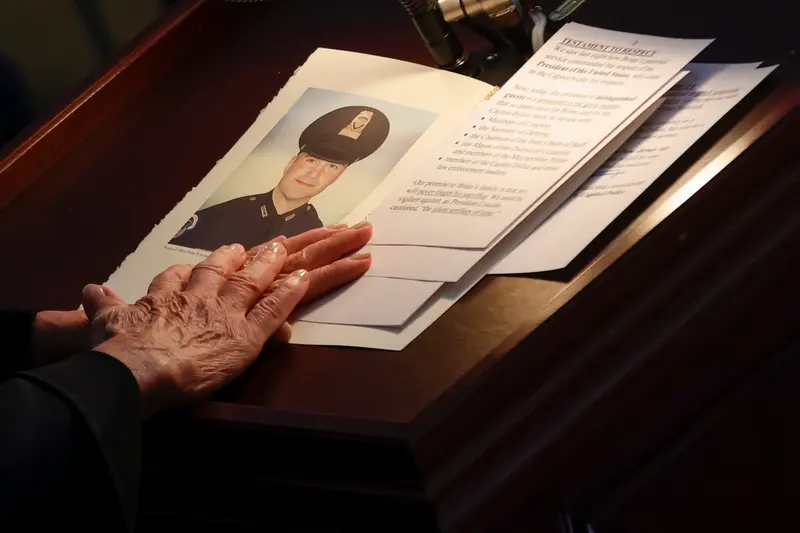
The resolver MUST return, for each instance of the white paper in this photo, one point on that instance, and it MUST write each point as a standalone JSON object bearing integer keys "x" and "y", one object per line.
{"x": 667, "y": 136}
{"x": 569, "y": 97}
{"x": 430, "y": 263}
{"x": 399, "y": 338}
{"x": 389, "y": 338}
{"x": 371, "y": 302}
{"x": 391, "y": 301}
{"x": 446, "y": 94}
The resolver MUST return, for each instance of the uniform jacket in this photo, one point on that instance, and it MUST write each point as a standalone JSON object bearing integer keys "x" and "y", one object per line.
{"x": 249, "y": 221}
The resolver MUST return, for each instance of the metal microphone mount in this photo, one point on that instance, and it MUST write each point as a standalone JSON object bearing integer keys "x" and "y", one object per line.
{"x": 509, "y": 27}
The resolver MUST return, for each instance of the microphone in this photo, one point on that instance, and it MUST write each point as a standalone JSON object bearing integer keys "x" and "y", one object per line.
{"x": 437, "y": 35}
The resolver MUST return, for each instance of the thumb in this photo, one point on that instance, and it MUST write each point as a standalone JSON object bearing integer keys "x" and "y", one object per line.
{"x": 96, "y": 299}
{"x": 284, "y": 334}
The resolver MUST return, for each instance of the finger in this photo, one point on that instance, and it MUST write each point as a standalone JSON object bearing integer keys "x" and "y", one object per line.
{"x": 245, "y": 287}
{"x": 172, "y": 279}
{"x": 281, "y": 337}
{"x": 251, "y": 253}
{"x": 274, "y": 308}
{"x": 96, "y": 299}
{"x": 284, "y": 333}
{"x": 212, "y": 273}
{"x": 298, "y": 242}
{"x": 328, "y": 250}
{"x": 330, "y": 277}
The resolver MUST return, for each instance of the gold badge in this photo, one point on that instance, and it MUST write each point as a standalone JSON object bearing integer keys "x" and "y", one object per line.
{"x": 357, "y": 125}
{"x": 263, "y": 211}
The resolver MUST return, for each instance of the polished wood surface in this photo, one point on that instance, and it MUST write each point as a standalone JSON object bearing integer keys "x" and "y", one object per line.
{"x": 491, "y": 404}
{"x": 142, "y": 64}
{"x": 102, "y": 199}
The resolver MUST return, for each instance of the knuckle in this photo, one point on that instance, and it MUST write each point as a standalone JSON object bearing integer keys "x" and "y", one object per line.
{"x": 297, "y": 260}
{"x": 212, "y": 268}
{"x": 244, "y": 282}
{"x": 178, "y": 270}
{"x": 334, "y": 273}
{"x": 155, "y": 283}
{"x": 146, "y": 303}
{"x": 271, "y": 307}
{"x": 165, "y": 275}
{"x": 294, "y": 261}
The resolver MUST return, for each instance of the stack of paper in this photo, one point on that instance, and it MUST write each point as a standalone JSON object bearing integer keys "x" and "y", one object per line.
{"x": 463, "y": 184}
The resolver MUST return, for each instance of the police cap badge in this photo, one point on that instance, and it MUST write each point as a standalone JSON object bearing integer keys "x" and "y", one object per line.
{"x": 345, "y": 135}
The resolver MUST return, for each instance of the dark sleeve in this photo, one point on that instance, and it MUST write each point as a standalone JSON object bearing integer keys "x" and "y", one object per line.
{"x": 70, "y": 441}
{"x": 15, "y": 335}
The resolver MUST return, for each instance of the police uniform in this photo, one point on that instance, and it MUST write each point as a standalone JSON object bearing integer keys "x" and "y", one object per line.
{"x": 345, "y": 135}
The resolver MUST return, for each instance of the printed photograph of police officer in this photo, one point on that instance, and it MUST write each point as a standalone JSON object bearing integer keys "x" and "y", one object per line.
{"x": 335, "y": 143}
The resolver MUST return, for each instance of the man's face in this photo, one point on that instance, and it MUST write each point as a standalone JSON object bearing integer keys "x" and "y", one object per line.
{"x": 306, "y": 176}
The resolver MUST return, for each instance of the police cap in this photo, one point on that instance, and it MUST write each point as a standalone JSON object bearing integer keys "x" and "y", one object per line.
{"x": 345, "y": 135}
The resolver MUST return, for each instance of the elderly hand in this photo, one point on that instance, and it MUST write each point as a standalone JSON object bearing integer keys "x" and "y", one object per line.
{"x": 56, "y": 335}
{"x": 199, "y": 327}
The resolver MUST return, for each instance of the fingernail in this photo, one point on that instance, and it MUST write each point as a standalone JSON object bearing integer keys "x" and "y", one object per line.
{"x": 338, "y": 226}
{"x": 268, "y": 251}
{"x": 360, "y": 256}
{"x": 237, "y": 248}
{"x": 362, "y": 225}
{"x": 255, "y": 256}
{"x": 96, "y": 292}
{"x": 297, "y": 277}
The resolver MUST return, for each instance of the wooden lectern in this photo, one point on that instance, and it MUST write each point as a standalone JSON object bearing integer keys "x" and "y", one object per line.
{"x": 649, "y": 387}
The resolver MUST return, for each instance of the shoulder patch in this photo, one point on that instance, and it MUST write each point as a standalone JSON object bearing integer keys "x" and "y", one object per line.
{"x": 190, "y": 224}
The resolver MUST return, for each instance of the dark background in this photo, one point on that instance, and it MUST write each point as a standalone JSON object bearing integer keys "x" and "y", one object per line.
{"x": 50, "y": 49}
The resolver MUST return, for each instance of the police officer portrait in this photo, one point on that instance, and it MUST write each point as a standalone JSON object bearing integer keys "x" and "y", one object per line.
{"x": 324, "y": 157}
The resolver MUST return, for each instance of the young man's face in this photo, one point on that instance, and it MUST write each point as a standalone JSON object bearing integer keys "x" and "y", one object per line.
{"x": 306, "y": 176}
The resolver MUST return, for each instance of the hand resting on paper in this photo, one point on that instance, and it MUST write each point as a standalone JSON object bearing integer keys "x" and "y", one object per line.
{"x": 200, "y": 327}
{"x": 76, "y": 386}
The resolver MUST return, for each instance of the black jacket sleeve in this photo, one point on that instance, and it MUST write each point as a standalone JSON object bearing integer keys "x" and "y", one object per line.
{"x": 16, "y": 328}
{"x": 70, "y": 435}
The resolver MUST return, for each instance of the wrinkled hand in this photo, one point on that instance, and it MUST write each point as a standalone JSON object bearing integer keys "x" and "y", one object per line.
{"x": 323, "y": 252}
{"x": 198, "y": 328}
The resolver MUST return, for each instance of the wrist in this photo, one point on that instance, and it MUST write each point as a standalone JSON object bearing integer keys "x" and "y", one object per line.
{"x": 148, "y": 366}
